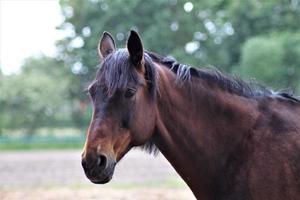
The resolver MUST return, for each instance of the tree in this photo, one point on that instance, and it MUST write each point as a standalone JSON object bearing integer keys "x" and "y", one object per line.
{"x": 194, "y": 32}
{"x": 274, "y": 59}
{"x": 256, "y": 18}
{"x": 35, "y": 97}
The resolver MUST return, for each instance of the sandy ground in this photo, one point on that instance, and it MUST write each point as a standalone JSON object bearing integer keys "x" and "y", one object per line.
{"x": 107, "y": 194}
{"x": 58, "y": 175}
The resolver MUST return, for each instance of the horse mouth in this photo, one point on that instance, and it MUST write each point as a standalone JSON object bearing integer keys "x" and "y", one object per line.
{"x": 99, "y": 175}
{"x": 102, "y": 181}
{"x": 101, "y": 178}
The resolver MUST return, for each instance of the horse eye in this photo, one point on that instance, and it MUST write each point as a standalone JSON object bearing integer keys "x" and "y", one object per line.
{"x": 130, "y": 92}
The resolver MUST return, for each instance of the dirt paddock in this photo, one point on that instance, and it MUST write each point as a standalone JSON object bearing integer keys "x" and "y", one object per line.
{"x": 55, "y": 175}
{"x": 103, "y": 194}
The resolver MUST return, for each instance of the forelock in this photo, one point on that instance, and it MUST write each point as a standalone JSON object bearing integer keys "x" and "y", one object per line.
{"x": 116, "y": 72}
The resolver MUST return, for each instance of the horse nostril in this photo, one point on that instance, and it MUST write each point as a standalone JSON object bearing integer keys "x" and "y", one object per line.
{"x": 101, "y": 161}
{"x": 83, "y": 163}
{"x": 88, "y": 163}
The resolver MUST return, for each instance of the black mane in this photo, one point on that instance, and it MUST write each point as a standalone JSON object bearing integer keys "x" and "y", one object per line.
{"x": 231, "y": 84}
{"x": 117, "y": 71}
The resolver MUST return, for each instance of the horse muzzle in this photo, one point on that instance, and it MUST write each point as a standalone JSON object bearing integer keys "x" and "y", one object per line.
{"x": 99, "y": 169}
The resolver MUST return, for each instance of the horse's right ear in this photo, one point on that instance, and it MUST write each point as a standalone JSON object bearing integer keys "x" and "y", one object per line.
{"x": 106, "y": 45}
{"x": 135, "y": 48}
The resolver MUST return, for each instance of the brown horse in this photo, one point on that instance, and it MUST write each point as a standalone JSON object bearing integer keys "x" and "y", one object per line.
{"x": 226, "y": 138}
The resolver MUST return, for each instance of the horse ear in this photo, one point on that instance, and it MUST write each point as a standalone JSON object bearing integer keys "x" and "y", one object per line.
{"x": 106, "y": 45}
{"x": 135, "y": 48}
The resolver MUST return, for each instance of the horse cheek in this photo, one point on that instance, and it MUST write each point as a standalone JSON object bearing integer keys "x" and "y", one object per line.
{"x": 144, "y": 122}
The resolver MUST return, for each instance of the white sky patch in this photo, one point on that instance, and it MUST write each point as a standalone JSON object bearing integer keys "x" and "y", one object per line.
{"x": 27, "y": 27}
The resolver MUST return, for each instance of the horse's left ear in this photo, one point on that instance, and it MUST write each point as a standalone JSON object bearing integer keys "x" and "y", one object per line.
{"x": 135, "y": 49}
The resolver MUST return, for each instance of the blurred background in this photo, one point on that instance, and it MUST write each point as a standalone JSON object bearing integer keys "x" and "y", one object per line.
{"x": 48, "y": 57}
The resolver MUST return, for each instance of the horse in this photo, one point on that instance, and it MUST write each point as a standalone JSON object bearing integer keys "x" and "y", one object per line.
{"x": 226, "y": 138}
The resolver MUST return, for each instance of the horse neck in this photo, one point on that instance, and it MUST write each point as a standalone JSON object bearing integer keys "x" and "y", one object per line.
{"x": 198, "y": 126}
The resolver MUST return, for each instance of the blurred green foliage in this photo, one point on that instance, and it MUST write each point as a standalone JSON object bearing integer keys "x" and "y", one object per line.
{"x": 256, "y": 39}
{"x": 208, "y": 33}
{"x": 274, "y": 59}
{"x": 35, "y": 96}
